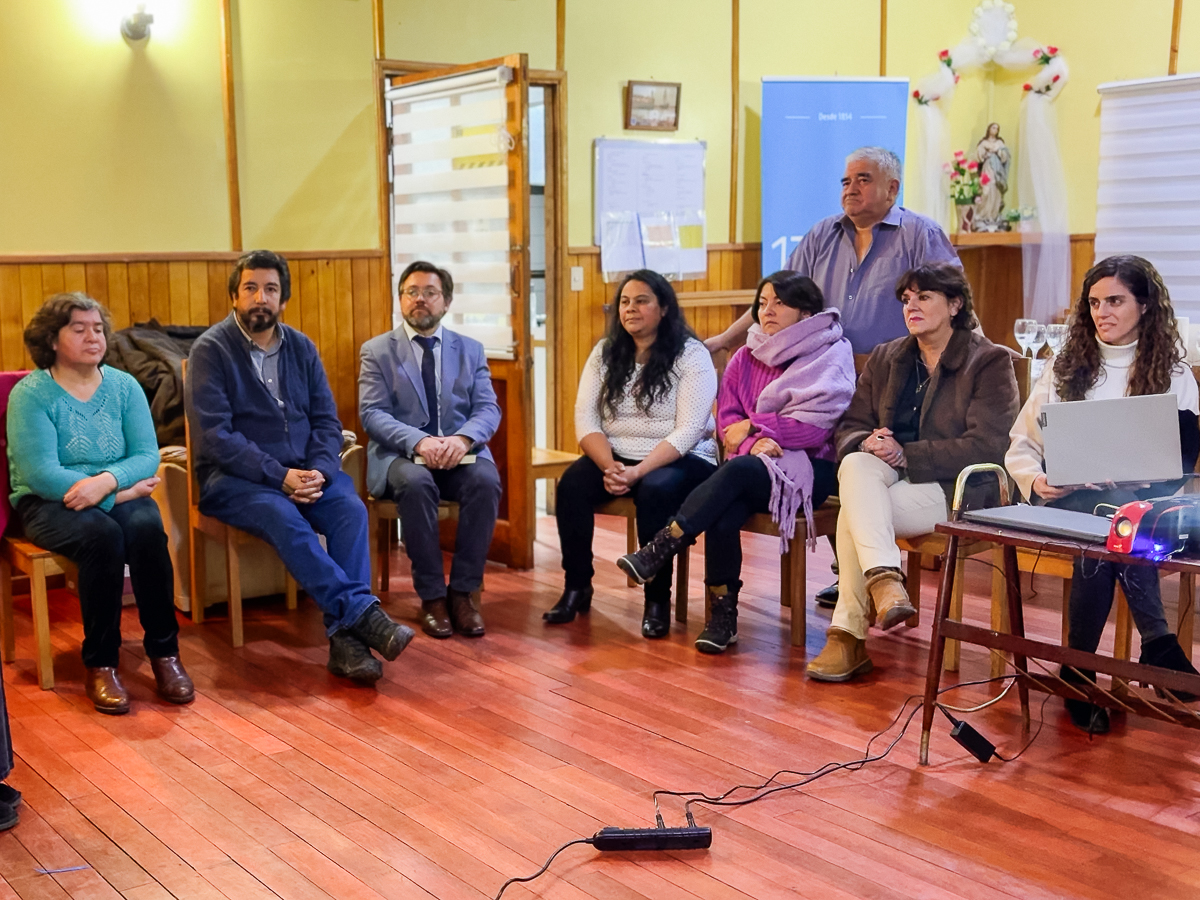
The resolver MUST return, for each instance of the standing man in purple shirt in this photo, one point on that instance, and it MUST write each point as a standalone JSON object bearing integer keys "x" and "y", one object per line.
{"x": 857, "y": 257}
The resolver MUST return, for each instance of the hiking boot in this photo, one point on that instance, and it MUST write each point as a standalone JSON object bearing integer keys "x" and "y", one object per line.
{"x": 350, "y": 658}
{"x": 376, "y": 629}
{"x": 645, "y": 563}
{"x": 721, "y": 628}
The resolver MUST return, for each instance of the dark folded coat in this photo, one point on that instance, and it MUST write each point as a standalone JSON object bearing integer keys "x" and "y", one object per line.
{"x": 153, "y": 354}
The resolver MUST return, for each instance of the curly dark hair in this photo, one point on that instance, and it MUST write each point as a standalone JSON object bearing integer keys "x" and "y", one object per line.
{"x": 619, "y": 350}
{"x": 947, "y": 279}
{"x": 262, "y": 259}
{"x": 794, "y": 290}
{"x": 1159, "y": 350}
{"x": 52, "y": 317}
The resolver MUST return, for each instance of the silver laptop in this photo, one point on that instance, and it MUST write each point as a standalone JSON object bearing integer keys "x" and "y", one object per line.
{"x": 1064, "y": 523}
{"x": 1130, "y": 440}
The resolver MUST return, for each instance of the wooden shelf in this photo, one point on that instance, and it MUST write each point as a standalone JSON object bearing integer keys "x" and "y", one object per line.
{"x": 987, "y": 239}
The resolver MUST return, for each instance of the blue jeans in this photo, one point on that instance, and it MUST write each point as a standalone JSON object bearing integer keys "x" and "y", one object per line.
{"x": 100, "y": 544}
{"x": 338, "y": 579}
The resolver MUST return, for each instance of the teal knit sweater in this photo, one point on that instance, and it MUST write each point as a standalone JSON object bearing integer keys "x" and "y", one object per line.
{"x": 55, "y": 440}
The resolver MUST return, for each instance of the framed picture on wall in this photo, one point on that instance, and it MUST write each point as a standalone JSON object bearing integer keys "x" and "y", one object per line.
{"x": 652, "y": 106}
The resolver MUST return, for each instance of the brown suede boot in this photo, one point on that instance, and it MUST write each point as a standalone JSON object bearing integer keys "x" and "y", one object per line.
{"x": 887, "y": 592}
{"x": 844, "y": 657}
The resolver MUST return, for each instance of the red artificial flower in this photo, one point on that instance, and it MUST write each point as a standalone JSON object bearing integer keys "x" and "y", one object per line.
{"x": 1038, "y": 52}
{"x": 1055, "y": 78}
{"x": 972, "y": 165}
{"x": 956, "y": 77}
{"x": 983, "y": 179}
{"x": 958, "y": 154}
{"x": 945, "y": 54}
{"x": 916, "y": 95}
{"x": 1052, "y": 50}
{"x": 1027, "y": 86}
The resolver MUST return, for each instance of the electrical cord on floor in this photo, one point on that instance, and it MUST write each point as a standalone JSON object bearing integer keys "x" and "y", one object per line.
{"x": 768, "y": 787}
{"x": 545, "y": 866}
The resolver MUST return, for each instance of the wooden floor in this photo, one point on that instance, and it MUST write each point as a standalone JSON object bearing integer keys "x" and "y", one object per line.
{"x": 475, "y": 759}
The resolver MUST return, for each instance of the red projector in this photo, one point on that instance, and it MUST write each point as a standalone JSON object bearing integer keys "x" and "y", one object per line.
{"x": 1157, "y": 529}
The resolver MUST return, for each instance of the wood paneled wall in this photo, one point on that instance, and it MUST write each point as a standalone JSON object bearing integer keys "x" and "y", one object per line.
{"x": 339, "y": 299}
{"x": 582, "y": 317}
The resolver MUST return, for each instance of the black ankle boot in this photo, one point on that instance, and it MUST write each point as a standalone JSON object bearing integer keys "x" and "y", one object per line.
{"x": 573, "y": 601}
{"x": 721, "y": 628}
{"x": 644, "y": 565}
{"x": 656, "y": 620}
{"x": 1085, "y": 715}
{"x": 1166, "y": 653}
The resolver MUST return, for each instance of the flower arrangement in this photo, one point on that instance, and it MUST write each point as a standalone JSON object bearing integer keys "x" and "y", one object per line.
{"x": 1019, "y": 214}
{"x": 1044, "y": 55}
{"x": 966, "y": 182}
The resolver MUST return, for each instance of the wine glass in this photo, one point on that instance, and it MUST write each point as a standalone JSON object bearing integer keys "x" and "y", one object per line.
{"x": 1056, "y": 336}
{"x": 1037, "y": 338}
{"x": 1023, "y": 331}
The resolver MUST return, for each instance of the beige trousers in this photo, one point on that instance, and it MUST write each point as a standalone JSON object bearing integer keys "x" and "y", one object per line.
{"x": 877, "y": 507}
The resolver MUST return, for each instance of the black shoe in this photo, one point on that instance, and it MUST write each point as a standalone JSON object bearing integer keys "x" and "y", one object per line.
{"x": 656, "y": 620}
{"x": 721, "y": 628}
{"x": 350, "y": 658}
{"x": 10, "y": 795}
{"x": 8, "y": 816}
{"x": 1165, "y": 653}
{"x": 827, "y": 597}
{"x": 1085, "y": 716}
{"x": 376, "y": 629}
{"x": 645, "y": 563}
{"x": 572, "y": 601}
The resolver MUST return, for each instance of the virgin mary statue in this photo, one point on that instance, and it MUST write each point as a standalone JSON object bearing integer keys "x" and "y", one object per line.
{"x": 992, "y": 155}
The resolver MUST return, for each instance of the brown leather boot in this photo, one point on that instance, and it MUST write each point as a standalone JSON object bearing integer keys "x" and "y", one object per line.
{"x": 844, "y": 657}
{"x": 174, "y": 684}
{"x": 105, "y": 690}
{"x": 435, "y": 618}
{"x": 464, "y": 612}
{"x": 887, "y": 592}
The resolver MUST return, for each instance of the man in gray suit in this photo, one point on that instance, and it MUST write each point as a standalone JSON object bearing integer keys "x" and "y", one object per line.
{"x": 426, "y": 401}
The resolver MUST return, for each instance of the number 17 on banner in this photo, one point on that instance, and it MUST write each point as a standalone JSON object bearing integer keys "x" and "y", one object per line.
{"x": 782, "y": 243}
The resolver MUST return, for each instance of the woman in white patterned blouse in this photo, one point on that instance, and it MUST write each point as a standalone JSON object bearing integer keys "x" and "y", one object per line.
{"x": 643, "y": 416}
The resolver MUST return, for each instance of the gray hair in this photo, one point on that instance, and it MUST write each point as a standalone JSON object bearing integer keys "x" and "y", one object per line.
{"x": 887, "y": 162}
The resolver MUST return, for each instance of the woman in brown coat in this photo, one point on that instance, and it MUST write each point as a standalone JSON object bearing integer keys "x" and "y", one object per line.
{"x": 927, "y": 406}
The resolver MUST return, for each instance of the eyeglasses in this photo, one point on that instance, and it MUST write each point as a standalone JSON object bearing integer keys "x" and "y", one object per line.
{"x": 429, "y": 293}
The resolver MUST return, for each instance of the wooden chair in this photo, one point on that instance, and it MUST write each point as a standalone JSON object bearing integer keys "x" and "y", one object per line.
{"x": 202, "y": 527}
{"x": 793, "y": 565}
{"x": 382, "y": 516}
{"x": 623, "y": 506}
{"x": 37, "y": 564}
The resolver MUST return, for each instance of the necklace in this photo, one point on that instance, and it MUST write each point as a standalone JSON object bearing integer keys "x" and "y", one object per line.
{"x": 921, "y": 383}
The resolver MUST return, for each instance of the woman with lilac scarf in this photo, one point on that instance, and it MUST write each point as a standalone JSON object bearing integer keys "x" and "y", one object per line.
{"x": 781, "y": 397}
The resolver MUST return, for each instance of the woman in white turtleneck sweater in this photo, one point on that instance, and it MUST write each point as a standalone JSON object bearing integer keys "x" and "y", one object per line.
{"x": 1122, "y": 342}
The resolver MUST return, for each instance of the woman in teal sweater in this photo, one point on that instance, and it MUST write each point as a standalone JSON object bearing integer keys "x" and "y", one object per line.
{"x": 82, "y": 457}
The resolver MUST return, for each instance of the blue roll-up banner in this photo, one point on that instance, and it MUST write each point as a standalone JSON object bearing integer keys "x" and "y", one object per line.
{"x": 809, "y": 127}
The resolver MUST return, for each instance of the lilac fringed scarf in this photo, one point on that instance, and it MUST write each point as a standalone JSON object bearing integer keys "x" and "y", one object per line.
{"x": 815, "y": 388}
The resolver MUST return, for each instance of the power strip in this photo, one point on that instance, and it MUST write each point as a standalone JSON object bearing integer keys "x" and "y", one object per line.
{"x": 652, "y": 839}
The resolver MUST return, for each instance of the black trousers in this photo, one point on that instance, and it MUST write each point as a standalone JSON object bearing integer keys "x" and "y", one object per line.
{"x": 657, "y": 497}
{"x": 100, "y": 544}
{"x": 721, "y": 505}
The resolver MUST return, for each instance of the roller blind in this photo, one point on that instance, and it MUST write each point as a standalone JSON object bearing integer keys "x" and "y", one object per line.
{"x": 450, "y": 199}
{"x": 1148, "y": 199}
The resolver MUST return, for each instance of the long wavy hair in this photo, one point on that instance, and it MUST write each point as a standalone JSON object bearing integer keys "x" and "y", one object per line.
{"x": 618, "y": 355}
{"x": 1159, "y": 350}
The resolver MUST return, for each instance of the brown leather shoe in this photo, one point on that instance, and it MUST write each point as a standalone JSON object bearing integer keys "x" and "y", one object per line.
{"x": 174, "y": 683}
{"x": 435, "y": 618}
{"x": 890, "y": 598}
{"x": 844, "y": 657}
{"x": 106, "y": 692}
{"x": 464, "y": 612}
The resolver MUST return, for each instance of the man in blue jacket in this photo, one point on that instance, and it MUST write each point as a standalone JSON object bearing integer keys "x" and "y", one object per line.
{"x": 426, "y": 402}
{"x": 267, "y": 459}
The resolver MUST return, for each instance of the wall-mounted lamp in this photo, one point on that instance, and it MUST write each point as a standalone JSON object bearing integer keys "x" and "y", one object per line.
{"x": 136, "y": 26}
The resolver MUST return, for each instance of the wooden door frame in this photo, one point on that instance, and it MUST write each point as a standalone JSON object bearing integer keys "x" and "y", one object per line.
{"x": 519, "y": 553}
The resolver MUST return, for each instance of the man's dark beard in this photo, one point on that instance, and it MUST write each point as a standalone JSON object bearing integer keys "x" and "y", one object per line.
{"x": 423, "y": 321}
{"x": 258, "y": 320}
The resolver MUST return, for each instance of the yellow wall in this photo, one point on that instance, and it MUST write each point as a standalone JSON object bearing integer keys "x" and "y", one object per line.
{"x": 306, "y": 124}
{"x": 464, "y": 31}
{"x": 610, "y": 42}
{"x": 798, "y": 37}
{"x": 107, "y": 147}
